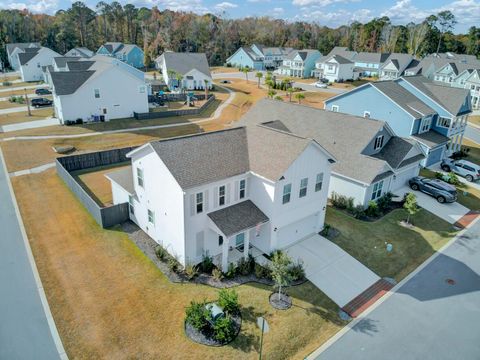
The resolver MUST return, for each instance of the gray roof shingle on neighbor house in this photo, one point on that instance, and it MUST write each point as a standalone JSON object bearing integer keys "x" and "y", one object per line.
{"x": 27, "y": 56}
{"x": 237, "y": 218}
{"x": 431, "y": 139}
{"x": 79, "y": 65}
{"x": 182, "y": 63}
{"x": 450, "y": 98}
{"x": 403, "y": 98}
{"x": 61, "y": 61}
{"x": 400, "y": 60}
{"x": 343, "y": 51}
{"x": 333, "y": 131}
{"x": 124, "y": 178}
{"x": 395, "y": 151}
{"x": 371, "y": 57}
{"x": 340, "y": 59}
{"x": 304, "y": 53}
{"x": 67, "y": 82}
{"x": 23, "y": 46}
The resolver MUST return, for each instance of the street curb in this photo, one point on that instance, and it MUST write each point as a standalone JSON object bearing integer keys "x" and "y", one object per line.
{"x": 46, "y": 308}
{"x": 354, "y": 322}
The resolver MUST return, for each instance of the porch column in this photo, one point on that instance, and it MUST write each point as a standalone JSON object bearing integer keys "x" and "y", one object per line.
{"x": 246, "y": 244}
{"x": 460, "y": 142}
{"x": 225, "y": 246}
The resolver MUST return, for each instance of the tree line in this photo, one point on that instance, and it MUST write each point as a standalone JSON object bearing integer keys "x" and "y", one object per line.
{"x": 218, "y": 36}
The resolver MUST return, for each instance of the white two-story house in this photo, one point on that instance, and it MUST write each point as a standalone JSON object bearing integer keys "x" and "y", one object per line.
{"x": 335, "y": 68}
{"x": 32, "y": 62}
{"x": 226, "y": 192}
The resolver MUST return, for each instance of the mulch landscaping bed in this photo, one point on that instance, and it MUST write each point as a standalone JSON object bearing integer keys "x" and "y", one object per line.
{"x": 282, "y": 302}
{"x": 147, "y": 245}
{"x": 206, "y": 339}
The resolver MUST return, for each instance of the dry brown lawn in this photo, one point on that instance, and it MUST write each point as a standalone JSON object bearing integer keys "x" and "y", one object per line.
{"x": 25, "y": 154}
{"x": 474, "y": 119}
{"x": 109, "y": 301}
{"x": 223, "y": 69}
{"x": 22, "y": 116}
{"x": 19, "y": 84}
{"x": 96, "y": 184}
{"x": 8, "y": 105}
{"x": 16, "y": 92}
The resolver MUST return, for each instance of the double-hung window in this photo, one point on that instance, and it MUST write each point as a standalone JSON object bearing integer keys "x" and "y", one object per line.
{"x": 378, "y": 142}
{"x": 425, "y": 125}
{"x": 151, "y": 216}
{"x": 97, "y": 93}
{"x": 221, "y": 195}
{"x": 377, "y": 190}
{"x": 130, "y": 204}
{"x": 287, "y": 190}
{"x": 199, "y": 202}
{"x": 319, "y": 182}
{"x": 140, "y": 177}
{"x": 303, "y": 187}
{"x": 443, "y": 122}
{"x": 242, "y": 187}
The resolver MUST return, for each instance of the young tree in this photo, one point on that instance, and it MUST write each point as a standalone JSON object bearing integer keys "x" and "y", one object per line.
{"x": 290, "y": 92}
{"x": 259, "y": 75}
{"x": 245, "y": 71}
{"x": 271, "y": 93}
{"x": 410, "y": 205}
{"x": 206, "y": 88}
{"x": 280, "y": 270}
{"x": 299, "y": 97}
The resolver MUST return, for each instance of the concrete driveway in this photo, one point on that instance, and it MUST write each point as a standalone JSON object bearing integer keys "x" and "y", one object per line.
{"x": 448, "y": 212}
{"x": 340, "y": 276}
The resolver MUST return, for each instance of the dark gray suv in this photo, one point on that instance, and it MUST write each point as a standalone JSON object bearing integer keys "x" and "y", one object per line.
{"x": 439, "y": 189}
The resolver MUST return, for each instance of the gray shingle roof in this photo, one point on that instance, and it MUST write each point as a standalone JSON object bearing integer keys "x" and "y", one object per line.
{"x": 370, "y": 57}
{"x": 182, "y": 63}
{"x": 333, "y": 131}
{"x": 124, "y": 178}
{"x": 403, "y": 98}
{"x": 23, "y": 46}
{"x": 67, "y": 82}
{"x": 61, "y": 61}
{"x": 27, "y": 56}
{"x": 304, "y": 53}
{"x": 83, "y": 51}
{"x": 401, "y": 61}
{"x": 342, "y": 51}
{"x": 239, "y": 217}
{"x": 395, "y": 151}
{"x": 340, "y": 59}
{"x": 431, "y": 139}
{"x": 79, "y": 65}
{"x": 450, "y": 98}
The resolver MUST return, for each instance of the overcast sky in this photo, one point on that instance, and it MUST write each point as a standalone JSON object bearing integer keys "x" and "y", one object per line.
{"x": 325, "y": 12}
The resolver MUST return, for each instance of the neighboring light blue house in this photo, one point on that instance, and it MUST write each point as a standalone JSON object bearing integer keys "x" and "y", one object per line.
{"x": 246, "y": 57}
{"x": 368, "y": 64}
{"x": 128, "y": 53}
{"x": 433, "y": 115}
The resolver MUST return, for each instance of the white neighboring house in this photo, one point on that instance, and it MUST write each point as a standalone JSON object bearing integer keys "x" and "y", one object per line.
{"x": 13, "y": 49}
{"x": 472, "y": 83}
{"x": 98, "y": 89}
{"x": 334, "y": 68}
{"x": 226, "y": 193}
{"x": 31, "y": 63}
{"x": 80, "y": 52}
{"x": 395, "y": 66}
{"x": 299, "y": 63}
{"x": 192, "y": 68}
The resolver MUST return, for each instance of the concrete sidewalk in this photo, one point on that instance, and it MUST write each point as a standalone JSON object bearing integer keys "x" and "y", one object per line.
{"x": 30, "y": 125}
{"x": 27, "y": 329}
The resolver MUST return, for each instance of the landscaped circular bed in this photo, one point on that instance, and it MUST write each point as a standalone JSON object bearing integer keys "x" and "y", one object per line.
{"x": 206, "y": 337}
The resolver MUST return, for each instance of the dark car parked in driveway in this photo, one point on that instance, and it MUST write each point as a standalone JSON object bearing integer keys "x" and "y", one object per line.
{"x": 38, "y": 102}
{"x": 43, "y": 91}
{"x": 439, "y": 189}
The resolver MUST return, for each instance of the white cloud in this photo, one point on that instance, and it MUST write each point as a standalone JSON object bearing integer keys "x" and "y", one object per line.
{"x": 224, "y": 6}
{"x": 277, "y": 12}
{"x": 195, "y": 6}
{"x": 334, "y": 18}
{"x": 320, "y": 3}
{"x": 257, "y": 1}
{"x": 42, "y": 6}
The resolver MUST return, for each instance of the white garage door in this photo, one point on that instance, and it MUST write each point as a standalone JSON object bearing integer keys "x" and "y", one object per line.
{"x": 298, "y": 230}
{"x": 402, "y": 177}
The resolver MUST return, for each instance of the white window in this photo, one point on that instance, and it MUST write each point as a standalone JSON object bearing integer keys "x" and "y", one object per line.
{"x": 319, "y": 182}
{"x": 378, "y": 142}
{"x": 97, "y": 93}
{"x": 366, "y": 114}
{"x": 151, "y": 216}
{"x": 130, "y": 204}
{"x": 221, "y": 195}
{"x": 242, "y": 188}
{"x": 443, "y": 122}
{"x": 140, "y": 177}
{"x": 199, "y": 202}
{"x": 377, "y": 190}
{"x": 330, "y": 67}
{"x": 303, "y": 187}
{"x": 287, "y": 189}
{"x": 425, "y": 124}
{"x": 335, "y": 108}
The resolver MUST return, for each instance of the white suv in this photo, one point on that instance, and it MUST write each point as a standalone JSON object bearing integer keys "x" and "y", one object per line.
{"x": 466, "y": 169}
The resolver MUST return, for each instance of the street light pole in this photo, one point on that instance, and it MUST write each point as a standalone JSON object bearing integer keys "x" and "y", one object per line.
{"x": 261, "y": 339}
{"x": 263, "y": 325}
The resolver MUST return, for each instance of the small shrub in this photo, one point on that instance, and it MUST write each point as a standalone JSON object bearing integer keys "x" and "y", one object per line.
{"x": 228, "y": 300}
{"x": 161, "y": 252}
{"x": 342, "y": 202}
{"x": 6, "y": 83}
{"x": 207, "y": 264}
{"x": 245, "y": 266}
{"x": 232, "y": 270}
{"x": 326, "y": 230}
{"x": 173, "y": 264}
{"x": 297, "y": 271}
{"x": 217, "y": 274}
{"x": 384, "y": 202}
{"x": 372, "y": 209}
{"x": 197, "y": 315}
{"x": 453, "y": 178}
{"x": 358, "y": 212}
{"x": 262, "y": 272}
{"x": 12, "y": 99}
{"x": 350, "y": 204}
{"x": 191, "y": 271}
{"x": 223, "y": 329}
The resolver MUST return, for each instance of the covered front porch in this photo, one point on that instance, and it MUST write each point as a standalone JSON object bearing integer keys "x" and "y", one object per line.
{"x": 234, "y": 226}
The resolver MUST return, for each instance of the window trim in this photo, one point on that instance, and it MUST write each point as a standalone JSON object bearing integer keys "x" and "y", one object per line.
{"x": 423, "y": 128}
{"x": 377, "y": 187}
{"x": 440, "y": 121}
{"x": 319, "y": 183}
{"x": 302, "y": 192}
{"x": 220, "y": 196}
{"x": 335, "y": 108}
{"x": 131, "y": 206}
{"x": 286, "y": 197}
{"x": 151, "y": 216}
{"x": 365, "y": 113}
{"x": 378, "y": 142}
{"x": 240, "y": 196}
{"x": 140, "y": 178}
{"x": 96, "y": 93}
{"x": 199, "y": 203}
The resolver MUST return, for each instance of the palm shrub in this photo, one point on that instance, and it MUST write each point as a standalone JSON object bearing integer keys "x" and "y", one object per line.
{"x": 223, "y": 329}
{"x": 228, "y": 300}
{"x": 297, "y": 271}
{"x": 207, "y": 264}
{"x": 191, "y": 271}
{"x": 198, "y": 315}
{"x": 262, "y": 272}
{"x": 231, "y": 272}
{"x": 217, "y": 274}
{"x": 161, "y": 252}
